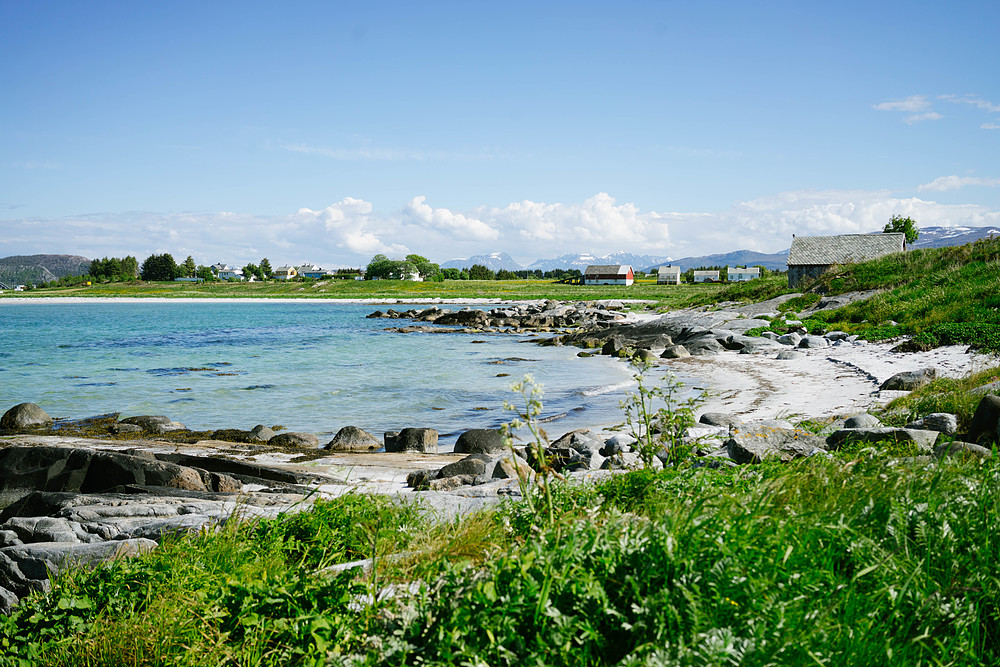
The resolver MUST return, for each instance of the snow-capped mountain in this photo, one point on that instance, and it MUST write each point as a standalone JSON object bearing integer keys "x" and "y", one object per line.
{"x": 583, "y": 260}
{"x": 940, "y": 237}
{"x": 494, "y": 261}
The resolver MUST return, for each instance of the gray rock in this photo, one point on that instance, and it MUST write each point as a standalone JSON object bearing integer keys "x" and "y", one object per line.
{"x": 25, "y": 416}
{"x": 154, "y": 423}
{"x": 472, "y": 465}
{"x": 9, "y": 538}
{"x": 7, "y": 601}
{"x": 758, "y": 346}
{"x": 834, "y": 336}
{"x": 791, "y": 339}
{"x": 353, "y": 439}
{"x": 47, "y": 529}
{"x": 304, "y": 440}
{"x": 965, "y": 450}
{"x": 46, "y": 468}
{"x": 580, "y": 440}
{"x": 788, "y": 355}
{"x": 623, "y": 461}
{"x": 719, "y": 419}
{"x": 909, "y": 380}
{"x": 986, "y": 420}
{"x": 704, "y": 346}
{"x": 813, "y": 342}
{"x": 752, "y": 443}
{"x": 261, "y": 433}
{"x": 509, "y": 467}
{"x": 480, "y": 441}
{"x": 613, "y": 347}
{"x": 942, "y": 422}
{"x": 923, "y": 439}
{"x": 244, "y": 471}
{"x": 412, "y": 440}
{"x": 644, "y": 355}
{"x": 991, "y": 388}
{"x": 770, "y": 335}
{"x": 675, "y": 352}
{"x": 864, "y": 420}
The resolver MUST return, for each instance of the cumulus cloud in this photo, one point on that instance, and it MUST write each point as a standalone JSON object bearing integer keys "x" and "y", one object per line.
{"x": 444, "y": 220}
{"x": 945, "y": 183}
{"x": 350, "y": 231}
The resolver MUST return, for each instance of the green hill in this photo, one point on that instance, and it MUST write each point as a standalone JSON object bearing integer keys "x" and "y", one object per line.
{"x": 34, "y": 269}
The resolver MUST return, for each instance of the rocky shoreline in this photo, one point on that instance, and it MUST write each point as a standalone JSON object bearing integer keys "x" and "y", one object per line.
{"x": 117, "y": 486}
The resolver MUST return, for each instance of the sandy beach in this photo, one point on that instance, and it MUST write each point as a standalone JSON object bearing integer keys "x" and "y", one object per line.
{"x": 825, "y": 382}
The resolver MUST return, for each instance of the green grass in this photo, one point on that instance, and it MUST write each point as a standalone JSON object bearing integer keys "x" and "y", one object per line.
{"x": 676, "y": 296}
{"x": 843, "y": 561}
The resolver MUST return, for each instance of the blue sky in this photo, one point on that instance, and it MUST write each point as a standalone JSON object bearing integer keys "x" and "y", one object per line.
{"x": 329, "y": 131}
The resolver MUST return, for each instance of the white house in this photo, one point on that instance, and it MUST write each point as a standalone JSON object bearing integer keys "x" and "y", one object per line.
{"x": 706, "y": 276}
{"x": 742, "y": 275}
{"x": 230, "y": 272}
{"x": 668, "y": 275}
{"x": 609, "y": 274}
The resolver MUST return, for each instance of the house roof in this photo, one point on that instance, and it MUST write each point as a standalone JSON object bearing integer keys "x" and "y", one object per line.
{"x": 669, "y": 269}
{"x": 737, "y": 269}
{"x": 605, "y": 269}
{"x": 707, "y": 272}
{"x": 843, "y": 249}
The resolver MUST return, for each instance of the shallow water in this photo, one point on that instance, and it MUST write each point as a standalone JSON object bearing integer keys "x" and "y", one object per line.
{"x": 312, "y": 366}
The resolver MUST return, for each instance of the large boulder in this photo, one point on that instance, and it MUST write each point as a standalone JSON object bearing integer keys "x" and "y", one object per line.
{"x": 473, "y": 464}
{"x": 942, "y": 422}
{"x": 261, "y": 433}
{"x": 752, "y": 443}
{"x": 412, "y": 440}
{"x": 962, "y": 450}
{"x": 25, "y": 416}
{"x": 923, "y": 439}
{"x": 909, "y": 380}
{"x": 985, "y": 420}
{"x": 863, "y": 420}
{"x": 675, "y": 352}
{"x": 353, "y": 439}
{"x": 480, "y": 441}
{"x": 46, "y": 468}
{"x": 292, "y": 439}
{"x": 580, "y": 440}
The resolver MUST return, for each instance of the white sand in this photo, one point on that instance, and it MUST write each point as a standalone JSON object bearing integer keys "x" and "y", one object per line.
{"x": 825, "y": 382}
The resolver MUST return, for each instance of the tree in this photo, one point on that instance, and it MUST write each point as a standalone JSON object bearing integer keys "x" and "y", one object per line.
{"x": 481, "y": 272}
{"x": 417, "y": 260}
{"x": 130, "y": 268}
{"x": 898, "y": 223}
{"x": 205, "y": 273}
{"x": 189, "y": 267}
{"x": 159, "y": 267}
{"x": 250, "y": 270}
{"x": 265, "y": 269}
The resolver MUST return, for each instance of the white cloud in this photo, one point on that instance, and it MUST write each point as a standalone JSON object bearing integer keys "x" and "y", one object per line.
{"x": 351, "y": 230}
{"x": 972, "y": 100}
{"x": 990, "y": 125}
{"x": 944, "y": 183}
{"x": 911, "y": 104}
{"x": 916, "y": 118}
{"x": 444, "y": 220}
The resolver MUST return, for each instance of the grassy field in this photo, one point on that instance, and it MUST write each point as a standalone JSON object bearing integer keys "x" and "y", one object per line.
{"x": 673, "y": 295}
{"x": 833, "y": 562}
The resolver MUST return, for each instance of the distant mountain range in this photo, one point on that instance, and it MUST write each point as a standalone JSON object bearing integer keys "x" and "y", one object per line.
{"x": 940, "y": 237}
{"x": 34, "y": 269}
{"x": 930, "y": 237}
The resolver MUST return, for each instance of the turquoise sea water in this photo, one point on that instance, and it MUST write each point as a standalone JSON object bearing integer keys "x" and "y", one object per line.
{"x": 309, "y": 366}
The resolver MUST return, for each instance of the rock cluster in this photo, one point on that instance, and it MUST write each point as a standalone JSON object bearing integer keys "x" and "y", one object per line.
{"x": 545, "y": 316}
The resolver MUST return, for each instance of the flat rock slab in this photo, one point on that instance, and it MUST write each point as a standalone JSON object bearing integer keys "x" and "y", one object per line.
{"x": 752, "y": 443}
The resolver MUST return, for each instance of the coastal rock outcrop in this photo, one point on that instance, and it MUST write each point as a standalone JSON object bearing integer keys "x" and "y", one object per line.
{"x": 292, "y": 439}
{"x": 985, "y": 424}
{"x": 153, "y": 423}
{"x": 909, "y": 380}
{"x": 924, "y": 440}
{"x": 25, "y": 416}
{"x": 353, "y": 439}
{"x": 754, "y": 442}
{"x": 480, "y": 441}
{"x": 412, "y": 440}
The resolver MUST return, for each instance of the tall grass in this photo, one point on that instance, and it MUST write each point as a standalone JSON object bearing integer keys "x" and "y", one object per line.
{"x": 846, "y": 561}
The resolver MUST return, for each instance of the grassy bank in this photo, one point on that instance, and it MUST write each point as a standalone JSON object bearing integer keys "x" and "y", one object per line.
{"x": 675, "y": 296}
{"x": 846, "y": 561}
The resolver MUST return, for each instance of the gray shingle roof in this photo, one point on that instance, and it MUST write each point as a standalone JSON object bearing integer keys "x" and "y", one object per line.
{"x": 843, "y": 249}
{"x": 606, "y": 269}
